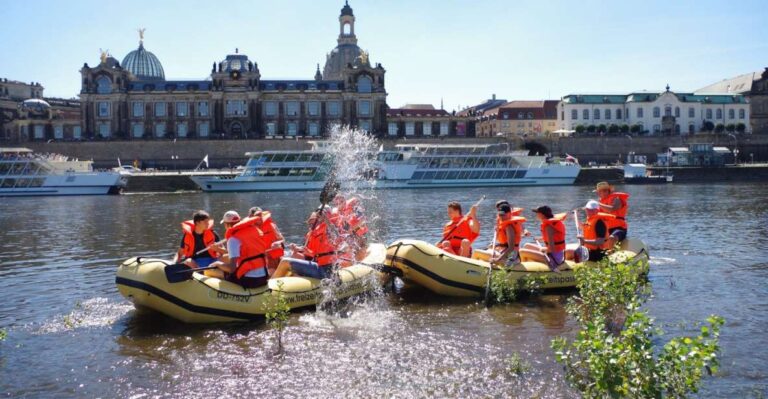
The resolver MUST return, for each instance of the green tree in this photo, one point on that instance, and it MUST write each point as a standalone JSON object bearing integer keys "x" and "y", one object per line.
{"x": 625, "y": 128}
{"x": 730, "y": 128}
{"x": 740, "y": 127}
{"x": 613, "y": 129}
{"x": 636, "y": 128}
{"x": 708, "y": 126}
{"x": 719, "y": 128}
{"x": 602, "y": 128}
{"x": 579, "y": 129}
{"x": 591, "y": 128}
{"x": 277, "y": 314}
{"x": 614, "y": 353}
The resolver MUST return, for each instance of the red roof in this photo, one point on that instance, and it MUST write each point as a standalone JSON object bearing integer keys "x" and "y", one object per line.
{"x": 392, "y": 112}
{"x": 546, "y": 109}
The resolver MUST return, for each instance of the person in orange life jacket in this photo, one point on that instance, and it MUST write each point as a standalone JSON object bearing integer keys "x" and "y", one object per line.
{"x": 272, "y": 235}
{"x": 553, "y": 236}
{"x": 616, "y": 204}
{"x": 460, "y": 232}
{"x": 245, "y": 263}
{"x": 197, "y": 235}
{"x": 595, "y": 236}
{"x": 348, "y": 216}
{"x": 509, "y": 232}
{"x": 314, "y": 260}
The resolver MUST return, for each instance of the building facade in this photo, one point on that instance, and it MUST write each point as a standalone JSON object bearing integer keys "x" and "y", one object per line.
{"x": 423, "y": 120}
{"x": 519, "y": 118}
{"x": 133, "y": 99}
{"x": 26, "y": 115}
{"x": 653, "y": 113}
{"x": 758, "y": 101}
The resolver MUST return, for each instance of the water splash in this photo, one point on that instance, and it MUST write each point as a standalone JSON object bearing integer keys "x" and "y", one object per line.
{"x": 94, "y": 312}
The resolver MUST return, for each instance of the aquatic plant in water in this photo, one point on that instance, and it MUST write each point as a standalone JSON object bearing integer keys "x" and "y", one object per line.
{"x": 277, "y": 314}
{"x": 613, "y": 353}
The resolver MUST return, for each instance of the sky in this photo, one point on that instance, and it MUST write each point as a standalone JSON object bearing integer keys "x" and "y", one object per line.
{"x": 459, "y": 51}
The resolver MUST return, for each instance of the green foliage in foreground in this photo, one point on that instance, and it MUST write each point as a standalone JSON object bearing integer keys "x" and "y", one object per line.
{"x": 517, "y": 365}
{"x": 277, "y": 314}
{"x": 613, "y": 354}
{"x": 3, "y": 334}
{"x": 506, "y": 290}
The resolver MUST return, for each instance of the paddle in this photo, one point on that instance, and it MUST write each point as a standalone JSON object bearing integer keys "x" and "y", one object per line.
{"x": 490, "y": 271}
{"x": 581, "y": 250}
{"x": 179, "y": 272}
{"x": 204, "y": 249}
{"x": 448, "y": 234}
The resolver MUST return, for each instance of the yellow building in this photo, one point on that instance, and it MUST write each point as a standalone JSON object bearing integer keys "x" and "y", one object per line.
{"x": 519, "y": 118}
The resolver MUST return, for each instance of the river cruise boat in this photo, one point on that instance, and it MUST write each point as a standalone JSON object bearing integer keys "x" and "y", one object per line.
{"x": 24, "y": 173}
{"x": 406, "y": 166}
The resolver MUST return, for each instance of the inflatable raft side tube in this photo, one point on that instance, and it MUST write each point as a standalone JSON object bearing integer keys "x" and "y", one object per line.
{"x": 186, "y": 305}
{"x": 440, "y": 279}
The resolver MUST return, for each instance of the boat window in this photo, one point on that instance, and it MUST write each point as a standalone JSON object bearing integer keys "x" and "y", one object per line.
{"x": 266, "y": 158}
{"x": 457, "y": 162}
{"x": 272, "y": 172}
{"x": 304, "y": 158}
{"x": 254, "y": 162}
{"x": 491, "y": 163}
{"x": 278, "y": 158}
{"x": 487, "y": 174}
{"x": 284, "y": 171}
{"x": 37, "y": 182}
{"x": 453, "y": 175}
{"x": 22, "y": 183}
{"x": 502, "y": 163}
{"x": 423, "y": 163}
{"x": 434, "y": 163}
{"x": 291, "y": 157}
{"x": 499, "y": 174}
{"x": 519, "y": 174}
{"x": 294, "y": 172}
{"x": 317, "y": 157}
{"x": 429, "y": 175}
{"x": 4, "y": 168}
{"x": 262, "y": 171}
{"x": 445, "y": 163}
{"x": 418, "y": 176}
{"x": 480, "y": 163}
{"x": 470, "y": 162}
{"x": 18, "y": 168}
{"x": 8, "y": 183}
{"x": 475, "y": 174}
{"x": 441, "y": 175}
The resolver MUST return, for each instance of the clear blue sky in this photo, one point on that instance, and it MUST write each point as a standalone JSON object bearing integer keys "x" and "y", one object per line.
{"x": 461, "y": 51}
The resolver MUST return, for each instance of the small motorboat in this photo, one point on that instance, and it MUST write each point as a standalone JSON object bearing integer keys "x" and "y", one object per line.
{"x": 446, "y": 274}
{"x": 152, "y": 283}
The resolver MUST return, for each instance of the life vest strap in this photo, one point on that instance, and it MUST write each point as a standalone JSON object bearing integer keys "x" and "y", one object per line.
{"x": 250, "y": 258}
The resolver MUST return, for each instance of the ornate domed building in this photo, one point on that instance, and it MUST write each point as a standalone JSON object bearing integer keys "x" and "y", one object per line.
{"x": 133, "y": 100}
{"x": 142, "y": 63}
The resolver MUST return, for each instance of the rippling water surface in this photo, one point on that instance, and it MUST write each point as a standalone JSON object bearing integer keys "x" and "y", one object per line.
{"x": 71, "y": 334}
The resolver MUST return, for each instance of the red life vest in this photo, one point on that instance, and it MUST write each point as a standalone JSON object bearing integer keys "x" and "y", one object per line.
{"x": 591, "y": 234}
{"x": 354, "y": 217}
{"x": 457, "y": 230}
{"x": 559, "y": 237}
{"x": 621, "y": 213}
{"x": 188, "y": 227}
{"x": 501, "y": 231}
{"x": 252, "y": 246}
{"x": 269, "y": 230}
{"x": 319, "y": 247}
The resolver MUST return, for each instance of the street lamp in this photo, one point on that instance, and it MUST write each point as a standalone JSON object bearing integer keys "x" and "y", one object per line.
{"x": 735, "y": 149}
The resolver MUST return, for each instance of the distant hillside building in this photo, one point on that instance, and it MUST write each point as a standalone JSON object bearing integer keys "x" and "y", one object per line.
{"x": 423, "y": 120}
{"x": 656, "y": 113}
{"x": 26, "y": 115}
{"x": 132, "y": 99}
{"x": 519, "y": 118}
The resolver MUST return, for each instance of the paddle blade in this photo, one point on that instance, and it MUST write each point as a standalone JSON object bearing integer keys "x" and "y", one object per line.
{"x": 330, "y": 189}
{"x": 178, "y": 272}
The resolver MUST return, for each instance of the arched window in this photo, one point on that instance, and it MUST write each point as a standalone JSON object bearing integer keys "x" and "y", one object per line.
{"x": 667, "y": 110}
{"x": 719, "y": 113}
{"x": 741, "y": 113}
{"x": 709, "y": 113}
{"x": 677, "y": 112}
{"x": 656, "y": 112}
{"x": 574, "y": 114}
{"x": 103, "y": 85}
{"x": 585, "y": 114}
{"x": 608, "y": 113}
{"x": 596, "y": 113}
{"x": 364, "y": 84}
{"x": 347, "y": 28}
{"x": 618, "y": 114}
{"x": 731, "y": 114}
{"x": 520, "y": 115}
{"x": 530, "y": 115}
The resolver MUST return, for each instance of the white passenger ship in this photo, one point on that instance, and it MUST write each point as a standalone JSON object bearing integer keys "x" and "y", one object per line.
{"x": 408, "y": 166}
{"x": 24, "y": 173}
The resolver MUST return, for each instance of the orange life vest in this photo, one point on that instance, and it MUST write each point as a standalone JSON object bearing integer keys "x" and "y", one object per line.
{"x": 621, "y": 213}
{"x": 457, "y": 230}
{"x": 319, "y": 246}
{"x": 354, "y": 217}
{"x": 591, "y": 234}
{"x": 188, "y": 227}
{"x": 559, "y": 237}
{"x": 252, "y": 246}
{"x": 269, "y": 229}
{"x": 501, "y": 231}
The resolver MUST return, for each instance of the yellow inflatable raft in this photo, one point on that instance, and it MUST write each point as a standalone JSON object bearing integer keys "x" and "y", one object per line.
{"x": 446, "y": 274}
{"x": 204, "y": 299}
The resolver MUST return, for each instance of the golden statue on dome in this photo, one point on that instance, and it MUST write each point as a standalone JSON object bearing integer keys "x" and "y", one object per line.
{"x": 103, "y": 56}
{"x": 363, "y": 57}
{"x": 141, "y": 34}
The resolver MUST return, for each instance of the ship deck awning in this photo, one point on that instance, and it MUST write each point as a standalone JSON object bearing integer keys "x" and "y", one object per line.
{"x": 679, "y": 150}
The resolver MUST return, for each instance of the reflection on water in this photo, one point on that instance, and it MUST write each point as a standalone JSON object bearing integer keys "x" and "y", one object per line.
{"x": 71, "y": 334}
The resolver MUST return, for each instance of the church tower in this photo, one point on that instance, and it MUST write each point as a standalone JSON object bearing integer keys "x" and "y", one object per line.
{"x": 347, "y": 26}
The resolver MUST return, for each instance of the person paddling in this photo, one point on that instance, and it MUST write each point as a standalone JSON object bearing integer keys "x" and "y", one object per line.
{"x": 197, "y": 235}
{"x": 316, "y": 259}
{"x": 246, "y": 249}
{"x": 509, "y": 232}
{"x": 596, "y": 236}
{"x": 614, "y": 203}
{"x": 272, "y": 236}
{"x": 552, "y": 252}
{"x": 461, "y": 231}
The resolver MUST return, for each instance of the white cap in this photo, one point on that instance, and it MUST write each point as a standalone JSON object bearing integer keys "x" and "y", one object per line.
{"x": 592, "y": 205}
{"x": 230, "y": 217}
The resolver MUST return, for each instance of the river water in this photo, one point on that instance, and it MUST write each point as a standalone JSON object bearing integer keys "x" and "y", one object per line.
{"x": 70, "y": 334}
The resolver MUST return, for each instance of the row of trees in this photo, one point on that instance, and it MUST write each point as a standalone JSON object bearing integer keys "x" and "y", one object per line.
{"x": 708, "y": 126}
